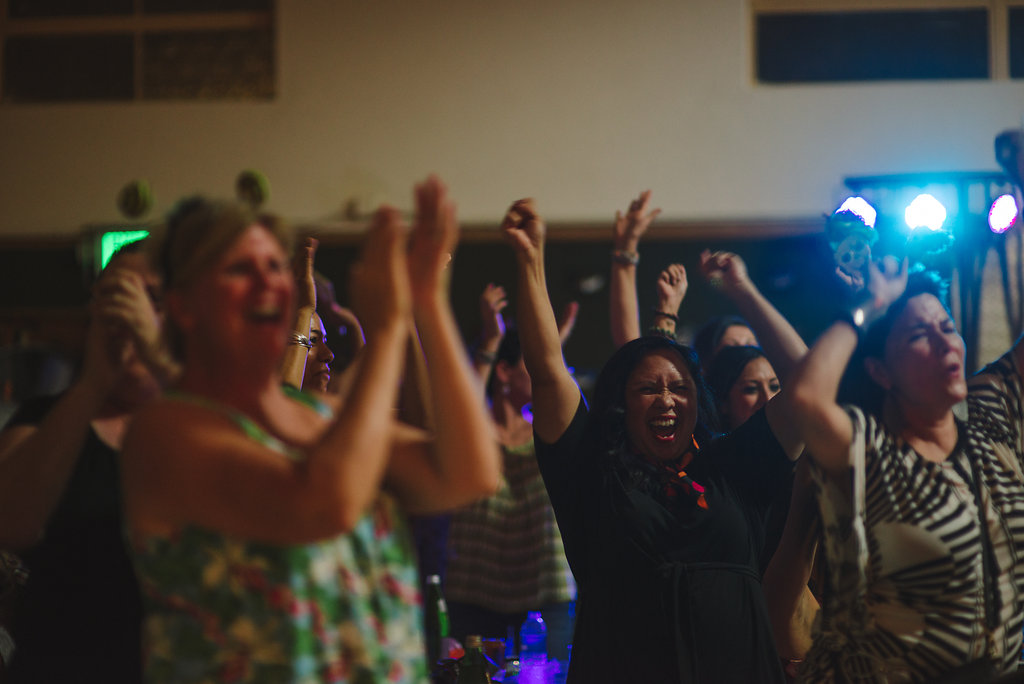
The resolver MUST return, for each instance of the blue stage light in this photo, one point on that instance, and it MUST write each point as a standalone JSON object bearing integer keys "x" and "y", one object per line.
{"x": 860, "y": 207}
{"x": 1002, "y": 214}
{"x": 925, "y": 212}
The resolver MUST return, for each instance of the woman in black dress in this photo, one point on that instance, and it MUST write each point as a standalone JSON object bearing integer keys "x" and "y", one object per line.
{"x": 662, "y": 525}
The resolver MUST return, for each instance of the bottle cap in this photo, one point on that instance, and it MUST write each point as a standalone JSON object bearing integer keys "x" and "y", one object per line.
{"x": 474, "y": 641}
{"x": 433, "y": 579}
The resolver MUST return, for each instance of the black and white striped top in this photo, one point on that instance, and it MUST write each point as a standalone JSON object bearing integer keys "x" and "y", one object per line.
{"x": 905, "y": 600}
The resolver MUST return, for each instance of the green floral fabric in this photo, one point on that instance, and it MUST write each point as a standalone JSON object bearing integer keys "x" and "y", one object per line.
{"x": 343, "y": 610}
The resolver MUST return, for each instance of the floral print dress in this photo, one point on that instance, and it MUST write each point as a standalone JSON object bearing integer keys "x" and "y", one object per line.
{"x": 342, "y": 610}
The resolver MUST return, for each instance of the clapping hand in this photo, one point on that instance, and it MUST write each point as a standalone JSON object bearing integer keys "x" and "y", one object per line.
{"x": 302, "y": 268}
{"x": 493, "y": 301}
{"x": 434, "y": 236}
{"x": 380, "y": 279}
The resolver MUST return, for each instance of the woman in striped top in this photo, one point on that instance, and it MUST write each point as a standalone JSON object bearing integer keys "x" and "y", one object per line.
{"x": 923, "y": 540}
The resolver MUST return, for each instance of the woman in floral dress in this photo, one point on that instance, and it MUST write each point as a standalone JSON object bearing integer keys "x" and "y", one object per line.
{"x": 268, "y": 529}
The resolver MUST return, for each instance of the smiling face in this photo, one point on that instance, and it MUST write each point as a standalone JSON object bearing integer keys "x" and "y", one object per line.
{"x": 318, "y": 360}
{"x": 240, "y": 307}
{"x": 756, "y": 384}
{"x": 923, "y": 365}
{"x": 661, "y": 406}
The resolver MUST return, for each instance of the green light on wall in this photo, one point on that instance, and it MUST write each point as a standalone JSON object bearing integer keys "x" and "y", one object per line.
{"x": 115, "y": 240}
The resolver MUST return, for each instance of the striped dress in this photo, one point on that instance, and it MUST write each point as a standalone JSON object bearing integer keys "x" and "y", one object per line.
{"x": 505, "y": 552}
{"x": 905, "y": 601}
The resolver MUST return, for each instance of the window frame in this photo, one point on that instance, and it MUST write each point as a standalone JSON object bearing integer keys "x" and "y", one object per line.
{"x": 998, "y": 24}
{"x": 138, "y": 25}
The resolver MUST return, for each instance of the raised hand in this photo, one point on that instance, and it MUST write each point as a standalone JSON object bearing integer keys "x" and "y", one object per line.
{"x": 434, "y": 236}
{"x": 493, "y": 301}
{"x": 631, "y": 226}
{"x": 887, "y": 280}
{"x": 524, "y": 229}
{"x": 724, "y": 270}
{"x": 122, "y": 306}
{"x": 380, "y": 280}
{"x": 672, "y": 286}
{"x": 854, "y": 280}
{"x": 302, "y": 268}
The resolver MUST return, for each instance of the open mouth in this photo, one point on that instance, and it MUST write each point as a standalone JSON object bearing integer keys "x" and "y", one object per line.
{"x": 663, "y": 428}
{"x": 265, "y": 314}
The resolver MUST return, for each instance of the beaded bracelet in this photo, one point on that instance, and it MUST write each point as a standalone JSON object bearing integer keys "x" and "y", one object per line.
{"x": 661, "y": 332}
{"x": 622, "y": 256}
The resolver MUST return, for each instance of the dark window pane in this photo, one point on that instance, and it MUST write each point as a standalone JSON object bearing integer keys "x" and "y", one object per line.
{"x": 51, "y": 68}
{"x": 22, "y": 9}
{"x": 871, "y": 46}
{"x": 209, "y": 65}
{"x": 180, "y": 6}
{"x": 1017, "y": 42}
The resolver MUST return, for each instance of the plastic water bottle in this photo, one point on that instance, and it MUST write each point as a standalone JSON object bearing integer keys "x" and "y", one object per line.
{"x": 533, "y": 650}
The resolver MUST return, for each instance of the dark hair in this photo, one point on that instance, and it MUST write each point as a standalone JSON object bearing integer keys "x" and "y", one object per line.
{"x": 606, "y": 434}
{"x": 510, "y": 351}
{"x": 711, "y": 333}
{"x": 857, "y": 387}
{"x": 727, "y": 368}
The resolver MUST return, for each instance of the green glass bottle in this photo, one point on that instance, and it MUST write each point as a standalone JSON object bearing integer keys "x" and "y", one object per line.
{"x": 435, "y": 617}
{"x": 473, "y": 665}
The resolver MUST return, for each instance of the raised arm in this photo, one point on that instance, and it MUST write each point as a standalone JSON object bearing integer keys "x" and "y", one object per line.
{"x": 493, "y": 301}
{"x": 626, "y": 234}
{"x": 186, "y": 464}
{"x": 125, "y": 305}
{"x": 671, "y": 289}
{"x": 293, "y": 366}
{"x": 36, "y": 461}
{"x": 782, "y": 344}
{"x": 812, "y": 390}
{"x": 555, "y": 394}
{"x": 463, "y": 462}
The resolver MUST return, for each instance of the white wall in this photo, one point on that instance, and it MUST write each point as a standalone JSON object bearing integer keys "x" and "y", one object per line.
{"x": 580, "y": 104}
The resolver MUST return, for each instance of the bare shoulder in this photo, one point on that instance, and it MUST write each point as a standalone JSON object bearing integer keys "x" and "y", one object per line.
{"x": 171, "y": 417}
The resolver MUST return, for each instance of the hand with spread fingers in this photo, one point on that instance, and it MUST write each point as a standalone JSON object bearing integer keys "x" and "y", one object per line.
{"x": 632, "y": 225}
